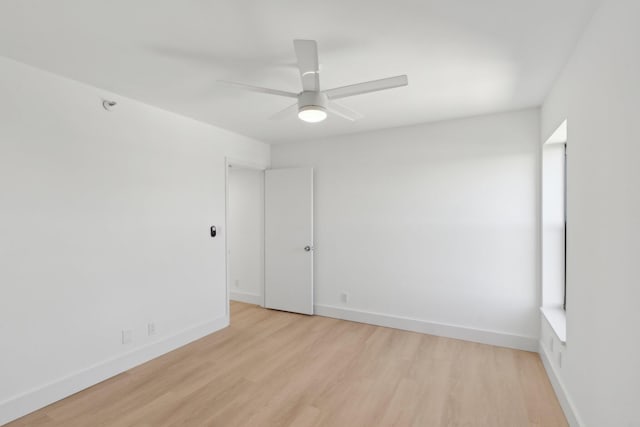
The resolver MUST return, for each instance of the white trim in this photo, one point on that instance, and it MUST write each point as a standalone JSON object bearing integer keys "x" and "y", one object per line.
{"x": 46, "y": 394}
{"x": 227, "y": 261}
{"x": 500, "y": 339}
{"x": 247, "y": 297}
{"x": 558, "y": 386}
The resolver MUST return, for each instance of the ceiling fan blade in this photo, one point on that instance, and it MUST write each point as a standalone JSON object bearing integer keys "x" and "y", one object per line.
{"x": 259, "y": 89}
{"x": 307, "y": 54}
{"x": 366, "y": 87}
{"x": 287, "y": 112}
{"x": 343, "y": 111}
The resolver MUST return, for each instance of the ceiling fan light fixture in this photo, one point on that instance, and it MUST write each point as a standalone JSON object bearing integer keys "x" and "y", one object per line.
{"x": 312, "y": 113}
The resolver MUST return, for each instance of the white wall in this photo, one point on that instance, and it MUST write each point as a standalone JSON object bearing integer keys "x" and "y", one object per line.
{"x": 246, "y": 234}
{"x": 104, "y": 226}
{"x": 599, "y": 93}
{"x": 430, "y": 226}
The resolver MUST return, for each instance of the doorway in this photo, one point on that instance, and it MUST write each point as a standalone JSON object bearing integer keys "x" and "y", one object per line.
{"x": 269, "y": 237}
{"x": 245, "y": 236}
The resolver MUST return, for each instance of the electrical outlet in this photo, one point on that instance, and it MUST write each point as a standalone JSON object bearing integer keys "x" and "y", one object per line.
{"x": 127, "y": 336}
{"x": 344, "y": 297}
{"x": 236, "y": 283}
{"x": 560, "y": 359}
{"x": 151, "y": 328}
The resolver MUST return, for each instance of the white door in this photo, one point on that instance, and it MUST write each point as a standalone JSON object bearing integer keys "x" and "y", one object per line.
{"x": 289, "y": 240}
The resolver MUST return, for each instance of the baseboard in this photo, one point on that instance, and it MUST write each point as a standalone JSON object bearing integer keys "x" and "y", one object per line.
{"x": 558, "y": 386}
{"x": 500, "y": 339}
{"x": 40, "y": 397}
{"x": 247, "y": 297}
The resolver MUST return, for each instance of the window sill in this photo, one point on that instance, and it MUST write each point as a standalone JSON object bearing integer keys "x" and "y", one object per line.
{"x": 557, "y": 319}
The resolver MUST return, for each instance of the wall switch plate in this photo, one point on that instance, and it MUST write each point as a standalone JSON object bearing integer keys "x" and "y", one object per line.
{"x": 151, "y": 328}
{"x": 127, "y": 336}
{"x": 344, "y": 297}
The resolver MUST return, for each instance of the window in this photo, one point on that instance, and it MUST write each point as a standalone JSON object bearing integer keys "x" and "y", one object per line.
{"x": 554, "y": 230}
{"x": 554, "y": 222}
{"x": 564, "y": 214}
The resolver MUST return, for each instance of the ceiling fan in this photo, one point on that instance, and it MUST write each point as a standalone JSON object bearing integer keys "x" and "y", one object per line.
{"x": 312, "y": 103}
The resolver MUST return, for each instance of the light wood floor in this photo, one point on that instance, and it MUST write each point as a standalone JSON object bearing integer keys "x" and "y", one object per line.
{"x": 280, "y": 369}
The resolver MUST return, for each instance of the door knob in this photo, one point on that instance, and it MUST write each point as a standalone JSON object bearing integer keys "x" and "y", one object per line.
{"x": 308, "y": 248}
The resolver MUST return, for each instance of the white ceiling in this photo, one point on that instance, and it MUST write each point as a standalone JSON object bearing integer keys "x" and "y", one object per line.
{"x": 463, "y": 57}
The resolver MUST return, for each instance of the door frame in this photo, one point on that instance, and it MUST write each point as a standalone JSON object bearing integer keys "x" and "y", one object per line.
{"x": 230, "y": 162}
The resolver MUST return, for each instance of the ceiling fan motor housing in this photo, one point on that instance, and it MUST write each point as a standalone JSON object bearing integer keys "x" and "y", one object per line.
{"x": 309, "y": 98}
